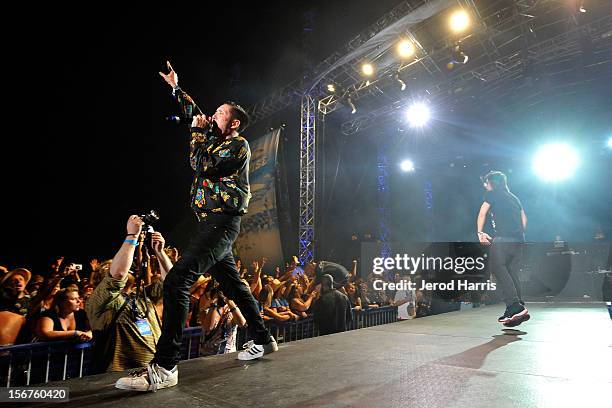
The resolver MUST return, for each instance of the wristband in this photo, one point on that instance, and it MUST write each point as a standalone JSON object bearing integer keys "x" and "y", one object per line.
{"x": 131, "y": 242}
{"x": 131, "y": 234}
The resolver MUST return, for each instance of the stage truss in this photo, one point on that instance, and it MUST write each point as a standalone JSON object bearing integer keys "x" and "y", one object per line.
{"x": 510, "y": 44}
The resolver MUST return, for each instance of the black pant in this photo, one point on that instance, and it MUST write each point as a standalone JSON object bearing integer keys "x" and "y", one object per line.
{"x": 504, "y": 263}
{"x": 209, "y": 250}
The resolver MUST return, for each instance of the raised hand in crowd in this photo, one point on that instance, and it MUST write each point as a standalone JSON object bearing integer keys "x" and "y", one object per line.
{"x": 165, "y": 263}
{"x": 123, "y": 259}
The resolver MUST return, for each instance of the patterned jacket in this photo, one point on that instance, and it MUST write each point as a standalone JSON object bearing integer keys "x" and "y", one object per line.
{"x": 221, "y": 183}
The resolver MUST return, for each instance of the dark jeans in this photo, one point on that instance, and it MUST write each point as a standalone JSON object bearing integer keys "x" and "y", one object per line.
{"x": 210, "y": 250}
{"x": 504, "y": 263}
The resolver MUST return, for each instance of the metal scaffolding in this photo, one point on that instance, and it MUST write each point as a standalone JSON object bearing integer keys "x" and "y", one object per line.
{"x": 307, "y": 179}
{"x": 508, "y": 42}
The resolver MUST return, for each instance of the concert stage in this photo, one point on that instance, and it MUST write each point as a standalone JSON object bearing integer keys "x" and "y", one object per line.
{"x": 561, "y": 357}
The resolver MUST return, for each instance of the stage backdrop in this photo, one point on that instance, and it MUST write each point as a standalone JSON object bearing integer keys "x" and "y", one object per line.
{"x": 259, "y": 231}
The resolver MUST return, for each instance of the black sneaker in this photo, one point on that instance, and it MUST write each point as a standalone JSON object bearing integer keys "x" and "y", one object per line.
{"x": 517, "y": 321}
{"x": 512, "y": 310}
{"x": 505, "y": 317}
{"x": 515, "y": 314}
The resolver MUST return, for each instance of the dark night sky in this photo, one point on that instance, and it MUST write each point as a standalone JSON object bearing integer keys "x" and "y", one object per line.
{"x": 89, "y": 145}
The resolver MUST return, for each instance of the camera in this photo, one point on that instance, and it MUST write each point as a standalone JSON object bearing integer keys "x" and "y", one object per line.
{"x": 78, "y": 267}
{"x": 150, "y": 218}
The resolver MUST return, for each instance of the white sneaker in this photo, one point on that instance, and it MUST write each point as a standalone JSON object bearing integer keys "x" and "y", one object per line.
{"x": 149, "y": 378}
{"x": 253, "y": 351}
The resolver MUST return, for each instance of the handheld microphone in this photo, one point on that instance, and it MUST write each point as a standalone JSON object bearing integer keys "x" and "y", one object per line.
{"x": 212, "y": 127}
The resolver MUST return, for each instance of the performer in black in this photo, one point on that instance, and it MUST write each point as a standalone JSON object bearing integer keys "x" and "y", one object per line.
{"x": 509, "y": 223}
{"x": 219, "y": 196}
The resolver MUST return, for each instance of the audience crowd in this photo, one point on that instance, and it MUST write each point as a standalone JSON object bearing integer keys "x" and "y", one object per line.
{"x": 121, "y": 309}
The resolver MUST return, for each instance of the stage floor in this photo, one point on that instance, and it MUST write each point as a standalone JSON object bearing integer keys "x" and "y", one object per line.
{"x": 561, "y": 357}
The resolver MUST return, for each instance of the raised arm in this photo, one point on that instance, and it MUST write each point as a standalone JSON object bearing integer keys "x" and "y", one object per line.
{"x": 123, "y": 259}
{"x": 165, "y": 264}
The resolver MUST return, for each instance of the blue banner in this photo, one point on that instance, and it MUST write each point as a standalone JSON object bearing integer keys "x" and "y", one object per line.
{"x": 259, "y": 231}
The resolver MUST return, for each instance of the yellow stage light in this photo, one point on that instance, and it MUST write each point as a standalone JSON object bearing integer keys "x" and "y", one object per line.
{"x": 367, "y": 69}
{"x": 405, "y": 49}
{"x": 459, "y": 21}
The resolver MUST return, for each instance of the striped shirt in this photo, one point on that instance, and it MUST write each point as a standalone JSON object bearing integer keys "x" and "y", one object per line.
{"x": 132, "y": 349}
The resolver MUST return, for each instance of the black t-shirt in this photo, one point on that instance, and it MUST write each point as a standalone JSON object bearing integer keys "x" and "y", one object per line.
{"x": 332, "y": 312}
{"x": 9, "y": 302}
{"x": 338, "y": 272}
{"x": 80, "y": 319}
{"x": 505, "y": 213}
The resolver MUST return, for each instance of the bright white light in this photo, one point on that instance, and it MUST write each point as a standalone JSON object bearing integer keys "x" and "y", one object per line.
{"x": 459, "y": 21}
{"x": 407, "y": 165}
{"x": 418, "y": 115}
{"x": 405, "y": 49}
{"x": 555, "y": 162}
{"x": 610, "y": 142}
{"x": 367, "y": 69}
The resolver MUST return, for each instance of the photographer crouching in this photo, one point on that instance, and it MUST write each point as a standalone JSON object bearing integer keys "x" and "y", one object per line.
{"x": 125, "y": 324}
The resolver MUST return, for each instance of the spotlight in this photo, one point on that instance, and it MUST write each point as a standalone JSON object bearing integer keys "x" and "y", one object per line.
{"x": 459, "y": 21}
{"x": 350, "y": 103}
{"x": 405, "y": 49}
{"x": 402, "y": 83}
{"x": 555, "y": 162}
{"x": 331, "y": 88}
{"x": 610, "y": 142}
{"x": 367, "y": 69}
{"x": 407, "y": 166}
{"x": 418, "y": 115}
{"x": 582, "y": 9}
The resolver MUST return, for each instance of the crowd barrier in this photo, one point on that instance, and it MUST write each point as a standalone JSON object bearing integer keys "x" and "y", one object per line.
{"x": 36, "y": 363}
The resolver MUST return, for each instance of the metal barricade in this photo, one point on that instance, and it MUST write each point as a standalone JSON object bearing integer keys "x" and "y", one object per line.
{"x": 36, "y": 363}
{"x": 285, "y": 332}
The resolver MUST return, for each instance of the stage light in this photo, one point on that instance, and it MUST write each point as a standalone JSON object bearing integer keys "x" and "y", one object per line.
{"x": 367, "y": 69}
{"x": 418, "y": 114}
{"x": 405, "y": 49}
{"x": 350, "y": 103}
{"x": 459, "y": 21}
{"x": 582, "y": 9}
{"x": 610, "y": 142}
{"x": 407, "y": 166}
{"x": 555, "y": 162}
{"x": 402, "y": 83}
{"x": 331, "y": 88}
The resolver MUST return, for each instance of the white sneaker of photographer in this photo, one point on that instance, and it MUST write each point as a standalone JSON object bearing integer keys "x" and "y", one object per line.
{"x": 253, "y": 351}
{"x": 149, "y": 378}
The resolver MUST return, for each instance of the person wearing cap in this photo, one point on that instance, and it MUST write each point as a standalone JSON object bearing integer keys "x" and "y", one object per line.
{"x": 13, "y": 295}
{"x": 332, "y": 310}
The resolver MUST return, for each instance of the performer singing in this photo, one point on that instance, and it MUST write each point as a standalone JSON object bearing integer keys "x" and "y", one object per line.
{"x": 509, "y": 222}
{"x": 219, "y": 196}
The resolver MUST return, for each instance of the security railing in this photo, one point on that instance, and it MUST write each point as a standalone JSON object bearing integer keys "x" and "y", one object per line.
{"x": 36, "y": 363}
